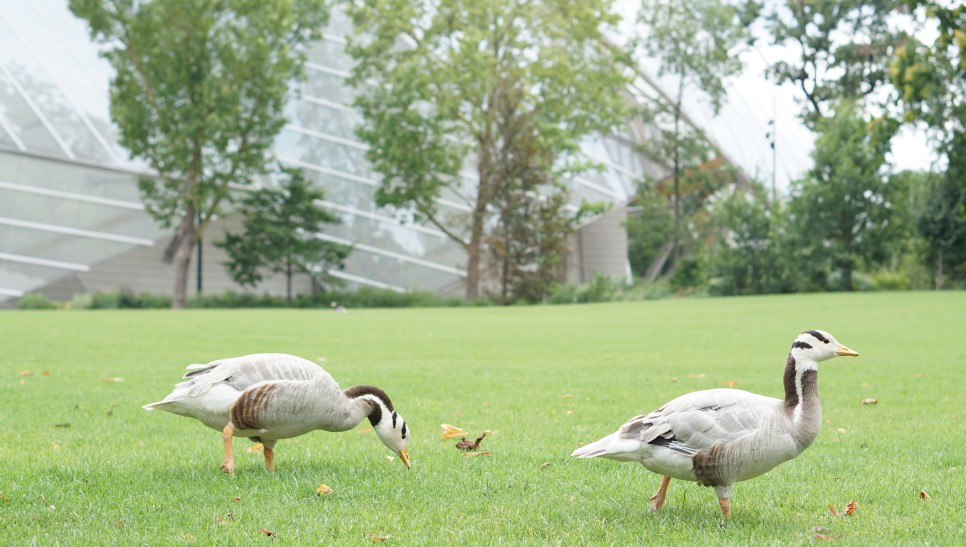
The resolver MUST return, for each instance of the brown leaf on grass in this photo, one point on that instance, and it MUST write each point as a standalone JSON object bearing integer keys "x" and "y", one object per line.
{"x": 467, "y": 445}
{"x": 451, "y": 431}
{"x": 119, "y": 523}
{"x": 257, "y": 447}
{"x": 267, "y": 532}
{"x": 236, "y": 499}
{"x": 730, "y": 383}
{"x": 869, "y": 401}
{"x": 374, "y": 537}
{"x": 544, "y": 465}
{"x": 674, "y": 379}
{"x": 46, "y": 373}
{"x": 4, "y": 498}
{"x": 566, "y": 396}
{"x": 475, "y": 454}
{"x": 833, "y": 510}
{"x": 26, "y": 373}
{"x": 365, "y": 430}
{"x": 924, "y": 496}
{"x": 324, "y": 490}
{"x": 823, "y": 537}
{"x": 851, "y": 507}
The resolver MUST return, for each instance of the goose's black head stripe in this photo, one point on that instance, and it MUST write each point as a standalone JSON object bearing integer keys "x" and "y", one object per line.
{"x": 818, "y": 335}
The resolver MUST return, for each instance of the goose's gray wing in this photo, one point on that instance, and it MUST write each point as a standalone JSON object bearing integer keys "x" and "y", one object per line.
{"x": 697, "y": 421}
{"x": 243, "y": 372}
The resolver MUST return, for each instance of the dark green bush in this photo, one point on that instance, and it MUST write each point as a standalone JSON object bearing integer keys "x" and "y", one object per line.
{"x": 37, "y": 301}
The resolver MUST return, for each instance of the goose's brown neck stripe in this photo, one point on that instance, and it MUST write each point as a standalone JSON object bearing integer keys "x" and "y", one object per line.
{"x": 791, "y": 390}
{"x": 375, "y": 416}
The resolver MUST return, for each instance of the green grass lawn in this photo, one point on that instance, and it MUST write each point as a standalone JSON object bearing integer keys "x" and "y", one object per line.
{"x": 82, "y": 463}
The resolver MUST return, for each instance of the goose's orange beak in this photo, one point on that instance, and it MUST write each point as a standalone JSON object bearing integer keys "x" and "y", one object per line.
{"x": 846, "y": 352}
{"x": 404, "y": 456}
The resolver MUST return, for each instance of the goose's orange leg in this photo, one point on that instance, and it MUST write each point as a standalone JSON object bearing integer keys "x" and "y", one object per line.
{"x": 725, "y": 504}
{"x": 657, "y": 500}
{"x": 228, "y": 466}
{"x": 269, "y": 459}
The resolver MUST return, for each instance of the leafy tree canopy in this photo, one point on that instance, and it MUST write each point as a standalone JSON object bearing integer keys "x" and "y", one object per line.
{"x": 198, "y": 92}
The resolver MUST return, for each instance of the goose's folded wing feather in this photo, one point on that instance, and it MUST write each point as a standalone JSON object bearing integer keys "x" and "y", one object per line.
{"x": 244, "y": 372}
{"x": 699, "y": 420}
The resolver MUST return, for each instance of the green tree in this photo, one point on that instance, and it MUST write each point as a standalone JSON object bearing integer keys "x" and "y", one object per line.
{"x": 457, "y": 78}
{"x": 932, "y": 83}
{"x": 843, "y": 49}
{"x": 280, "y": 234}
{"x": 840, "y": 211}
{"x": 749, "y": 254}
{"x": 696, "y": 42}
{"x": 198, "y": 93}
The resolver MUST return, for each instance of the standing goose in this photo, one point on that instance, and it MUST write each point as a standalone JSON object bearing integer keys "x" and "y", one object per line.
{"x": 718, "y": 437}
{"x": 272, "y": 396}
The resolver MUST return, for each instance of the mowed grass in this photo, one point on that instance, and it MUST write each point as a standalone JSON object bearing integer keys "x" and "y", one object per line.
{"x": 82, "y": 463}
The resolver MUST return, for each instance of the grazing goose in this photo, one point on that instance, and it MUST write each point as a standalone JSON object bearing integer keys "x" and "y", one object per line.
{"x": 272, "y": 396}
{"x": 721, "y": 436}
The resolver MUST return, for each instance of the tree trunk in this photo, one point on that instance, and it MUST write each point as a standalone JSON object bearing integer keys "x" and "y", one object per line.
{"x": 288, "y": 280}
{"x": 847, "y": 277}
{"x": 677, "y": 175}
{"x": 939, "y": 270}
{"x": 473, "y": 251}
{"x": 182, "y": 258}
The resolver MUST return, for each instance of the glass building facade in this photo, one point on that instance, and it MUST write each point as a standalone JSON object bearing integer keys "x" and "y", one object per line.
{"x": 71, "y": 219}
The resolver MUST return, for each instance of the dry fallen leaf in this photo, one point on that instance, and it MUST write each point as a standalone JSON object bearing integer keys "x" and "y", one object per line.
{"x": 267, "y": 532}
{"x": 544, "y": 465}
{"x": 119, "y": 523}
{"x": 46, "y": 373}
{"x": 26, "y": 373}
{"x": 850, "y": 508}
{"x": 730, "y": 383}
{"x": 257, "y": 447}
{"x": 4, "y": 498}
{"x": 674, "y": 379}
{"x": 55, "y": 446}
{"x": 869, "y": 401}
{"x": 236, "y": 499}
{"x": 924, "y": 496}
{"x": 566, "y": 396}
{"x": 823, "y": 537}
{"x": 189, "y": 538}
{"x": 374, "y": 537}
{"x": 365, "y": 430}
{"x": 468, "y": 445}
{"x": 475, "y": 454}
{"x": 833, "y": 510}
{"x": 841, "y": 430}
{"x": 323, "y": 490}
{"x": 451, "y": 431}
